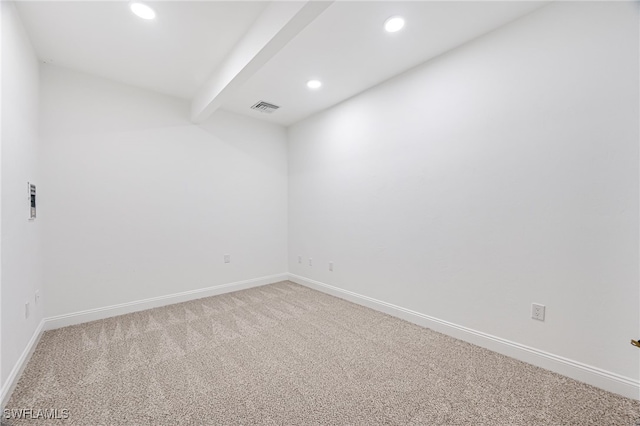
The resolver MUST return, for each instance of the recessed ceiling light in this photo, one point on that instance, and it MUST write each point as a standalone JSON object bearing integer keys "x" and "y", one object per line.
{"x": 393, "y": 24}
{"x": 314, "y": 84}
{"x": 143, "y": 11}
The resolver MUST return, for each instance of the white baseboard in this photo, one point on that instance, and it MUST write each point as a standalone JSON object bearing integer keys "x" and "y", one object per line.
{"x": 120, "y": 309}
{"x": 603, "y": 379}
{"x": 606, "y": 380}
{"x": 20, "y": 365}
{"x": 74, "y": 318}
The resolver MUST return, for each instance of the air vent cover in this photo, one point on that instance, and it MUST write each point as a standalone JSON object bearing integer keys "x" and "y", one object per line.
{"x": 266, "y": 107}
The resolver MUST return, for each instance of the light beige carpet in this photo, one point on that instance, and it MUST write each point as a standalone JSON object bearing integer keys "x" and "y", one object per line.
{"x": 287, "y": 355}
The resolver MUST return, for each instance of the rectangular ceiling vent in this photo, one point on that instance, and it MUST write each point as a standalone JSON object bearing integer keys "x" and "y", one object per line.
{"x": 266, "y": 107}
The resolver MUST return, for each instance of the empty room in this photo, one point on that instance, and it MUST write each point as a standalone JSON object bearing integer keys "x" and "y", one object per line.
{"x": 320, "y": 213}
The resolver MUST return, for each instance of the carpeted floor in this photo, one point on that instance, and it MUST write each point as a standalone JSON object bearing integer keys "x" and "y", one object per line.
{"x": 286, "y": 355}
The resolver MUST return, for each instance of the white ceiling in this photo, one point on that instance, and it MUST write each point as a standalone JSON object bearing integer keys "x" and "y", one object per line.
{"x": 348, "y": 50}
{"x": 173, "y": 54}
{"x": 345, "y": 47}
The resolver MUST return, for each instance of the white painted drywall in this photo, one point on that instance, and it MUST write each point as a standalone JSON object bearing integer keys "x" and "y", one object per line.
{"x": 20, "y": 265}
{"x": 138, "y": 202}
{"x": 500, "y": 174}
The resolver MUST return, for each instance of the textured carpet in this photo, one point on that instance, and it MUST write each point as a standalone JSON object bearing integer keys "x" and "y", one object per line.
{"x": 286, "y": 355}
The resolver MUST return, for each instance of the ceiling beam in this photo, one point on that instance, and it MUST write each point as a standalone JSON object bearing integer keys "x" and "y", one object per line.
{"x": 278, "y": 24}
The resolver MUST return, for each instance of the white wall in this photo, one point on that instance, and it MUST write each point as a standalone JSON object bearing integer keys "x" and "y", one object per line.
{"x": 137, "y": 202}
{"x": 500, "y": 174}
{"x": 20, "y": 248}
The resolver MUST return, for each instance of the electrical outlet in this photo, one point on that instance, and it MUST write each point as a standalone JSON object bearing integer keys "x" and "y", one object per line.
{"x": 331, "y": 266}
{"x": 299, "y": 259}
{"x": 537, "y": 311}
{"x": 26, "y": 309}
{"x": 227, "y": 258}
{"x": 37, "y": 296}
{"x": 310, "y": 262}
